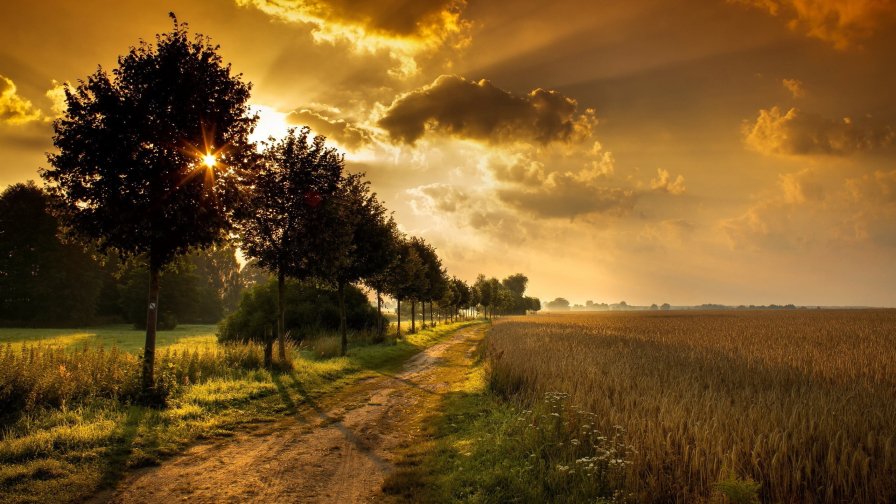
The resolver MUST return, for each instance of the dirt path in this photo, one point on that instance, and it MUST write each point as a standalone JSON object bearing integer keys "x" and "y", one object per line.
{"x": 340, "y": 451}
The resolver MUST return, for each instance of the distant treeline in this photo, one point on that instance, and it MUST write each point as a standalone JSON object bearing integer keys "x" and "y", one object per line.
{"x": 561, "y": 304}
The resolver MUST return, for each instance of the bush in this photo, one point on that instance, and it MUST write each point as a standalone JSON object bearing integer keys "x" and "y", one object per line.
{"x": 310, "y": 310}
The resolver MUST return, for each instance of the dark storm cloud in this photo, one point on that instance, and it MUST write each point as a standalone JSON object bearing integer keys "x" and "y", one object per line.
{"x": 482, "y": 111}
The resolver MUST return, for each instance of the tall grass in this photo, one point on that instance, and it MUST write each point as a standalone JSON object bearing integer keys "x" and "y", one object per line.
{"x": 34, "y": 376}
{"x": 801, "y": 403}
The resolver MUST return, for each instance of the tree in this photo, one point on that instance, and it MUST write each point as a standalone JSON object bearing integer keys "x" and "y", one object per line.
{"x": 403, "y": 275}
{"x": 359, "y": 229}
{"x": 534, "y": 304}
{"x": 462, "y": 295}
{"x": 558, "y": 304}
{"x": 486, "y": 296}
{"x": 386, "y": 255}
{"x": 151, "y": 159}
{"x": 516, "y": 284}
{"x": 432, "y": 285}
{"x": 296, "y": 181}
{"x": 44, "y": 279}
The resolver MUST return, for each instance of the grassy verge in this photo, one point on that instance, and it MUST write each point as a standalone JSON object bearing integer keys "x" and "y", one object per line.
{"x": 66, "y": 454}
{"x": 121, "y": 336}
{"x": 478, "y": 447}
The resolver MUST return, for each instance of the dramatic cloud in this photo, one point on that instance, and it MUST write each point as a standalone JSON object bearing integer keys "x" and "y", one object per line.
{"x": 13, "y": 108}
{"x": 481, "y": 111}
{"x": 56, "y": 95}
{"x": 432, "y": 198}
{"x": 797, "y": 132}
{"x": 568, "y": 195}
{"x": 664, "y": 183}
{"x": 795, "y": 87}
{"x": 405, "y": 27}
{"x": 343, "y": 132}
{"x": 843, "y": 23}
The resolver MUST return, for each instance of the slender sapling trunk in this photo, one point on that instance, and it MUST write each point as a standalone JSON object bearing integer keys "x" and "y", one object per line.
{"x": 281, "y": 310}
{"x": 152, "y": 316}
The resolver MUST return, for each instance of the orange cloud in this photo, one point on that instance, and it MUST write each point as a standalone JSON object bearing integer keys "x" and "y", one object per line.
{"x": 403, "y": 27}
{"x": 795, "y": 87}
{"x": 341, "y": 131}
{"x": 842, "y": 23}
{"x": 14, "y": 109}
{"x": 482, "y": 111}
{"x": 801, "y": 133}
{"x": 665, "y": 183}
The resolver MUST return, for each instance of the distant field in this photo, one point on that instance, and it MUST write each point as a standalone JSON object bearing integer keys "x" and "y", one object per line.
{"x": 802, "y": 402}
{"x": 122, "y": 336}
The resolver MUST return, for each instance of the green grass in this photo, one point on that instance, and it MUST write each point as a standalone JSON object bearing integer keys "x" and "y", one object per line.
{"x": 66, "y": 454}
{"x": 123, "y": 336}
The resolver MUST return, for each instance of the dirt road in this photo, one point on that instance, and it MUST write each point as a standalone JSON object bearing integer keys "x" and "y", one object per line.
{"x": 339, "y": 450}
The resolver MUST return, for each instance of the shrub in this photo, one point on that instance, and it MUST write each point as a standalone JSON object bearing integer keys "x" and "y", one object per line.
{"x": 310, "y": 309}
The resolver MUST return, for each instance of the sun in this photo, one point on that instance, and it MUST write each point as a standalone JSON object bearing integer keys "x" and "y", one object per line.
{"x": 209, "y": 160}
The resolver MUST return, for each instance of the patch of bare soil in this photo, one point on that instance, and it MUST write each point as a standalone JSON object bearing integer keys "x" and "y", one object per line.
{"x": 337, "y": 450}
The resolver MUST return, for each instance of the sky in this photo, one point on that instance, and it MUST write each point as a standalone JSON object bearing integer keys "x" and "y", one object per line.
{"x": 703, "y": 151}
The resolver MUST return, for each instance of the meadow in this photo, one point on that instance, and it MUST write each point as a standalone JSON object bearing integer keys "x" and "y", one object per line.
{"x": 783, "y": 406}
{"x": 70, "y": 425}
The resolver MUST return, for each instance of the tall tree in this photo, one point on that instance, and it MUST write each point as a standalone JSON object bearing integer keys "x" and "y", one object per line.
{"x": 421, "y": 285}
{"x": 404, "y": 274}
{"x": 486, "y": 296}
{"x": 436, "y": 279}
{"x": 360, "y": 230}
{"x": 386, "y": 256}
{"x": 298, "y": 178}
{"x": 150, "y": 159}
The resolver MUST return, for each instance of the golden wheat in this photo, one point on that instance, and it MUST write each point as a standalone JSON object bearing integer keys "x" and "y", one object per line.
{"x": 804, "y": 402}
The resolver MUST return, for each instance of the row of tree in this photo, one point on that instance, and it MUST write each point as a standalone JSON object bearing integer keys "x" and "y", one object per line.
{"x": 154, "y": 160}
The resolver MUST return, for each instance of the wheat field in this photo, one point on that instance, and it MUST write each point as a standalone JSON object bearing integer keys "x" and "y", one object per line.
{"x": 802, "y": 402}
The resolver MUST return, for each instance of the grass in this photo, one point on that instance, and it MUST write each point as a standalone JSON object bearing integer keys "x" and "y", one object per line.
{"x": 65, "y": 451}
{"x": 121, "y": 336}
{"x": 789, "y": 406}
{"x": 478, "y": 447}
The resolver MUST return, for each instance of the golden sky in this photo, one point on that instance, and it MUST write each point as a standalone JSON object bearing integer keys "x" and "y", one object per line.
{"x": 708, "y": 151}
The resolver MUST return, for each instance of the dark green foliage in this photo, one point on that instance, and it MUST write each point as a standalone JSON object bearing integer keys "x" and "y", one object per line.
{"x": 44, "y": 279}
{"x": 310, "y": 309}
{"x": 127, "y": 166}
{"x": 284, "y": 222}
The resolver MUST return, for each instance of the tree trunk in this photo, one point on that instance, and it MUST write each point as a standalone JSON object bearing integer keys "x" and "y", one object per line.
{"x": 342, "y": 324}
{"x": 398, "y": 312}
{"x": 379, "y": 315}
{"x": 430, "y": 314}
{"x": 413, "y": 316}
{"x": 268, "y": 348}
{"x": 281, "y": 320}
{"x": 152, "y": 317}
